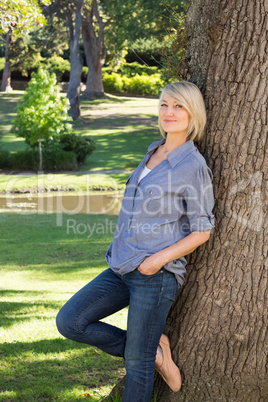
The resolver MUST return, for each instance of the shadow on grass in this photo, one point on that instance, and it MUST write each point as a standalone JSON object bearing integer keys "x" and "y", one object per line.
{"x": 8, "y": 105}
{"x": 122, "y": 150}
{"x": 16, "y": 312}
{"x": 56, "y": 370}
{"x": 119, "y": 121}
{"x": 35, "y": 242}
{"x": 109, "y": 99}
{"x": 43, "y": 346}
{"x": 11, "y": 292}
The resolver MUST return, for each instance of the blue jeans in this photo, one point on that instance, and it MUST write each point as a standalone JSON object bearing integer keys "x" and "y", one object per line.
{"x": 149, "y": 299}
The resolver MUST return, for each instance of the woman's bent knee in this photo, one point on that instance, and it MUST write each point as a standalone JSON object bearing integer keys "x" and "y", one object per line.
{"x": 65, "y": 324}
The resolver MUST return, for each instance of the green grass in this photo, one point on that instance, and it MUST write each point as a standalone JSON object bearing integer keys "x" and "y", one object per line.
{"x": 122, "y": 128}
{"x": 8, "y": 103}
{"x": 42, "y": 265}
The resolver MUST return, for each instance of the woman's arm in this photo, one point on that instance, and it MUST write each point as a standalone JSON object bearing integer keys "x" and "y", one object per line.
{"x": 183, "y": 247}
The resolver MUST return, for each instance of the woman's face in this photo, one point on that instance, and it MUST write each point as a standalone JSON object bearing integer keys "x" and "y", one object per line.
{"x": 174, "y": 117}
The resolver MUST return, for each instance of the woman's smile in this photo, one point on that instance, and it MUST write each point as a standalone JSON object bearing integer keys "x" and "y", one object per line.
{"x": 169, "y": 120}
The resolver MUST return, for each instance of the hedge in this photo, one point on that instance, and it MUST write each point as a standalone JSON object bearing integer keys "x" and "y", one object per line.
{"x": 136, "y": 85}
{"x": 130, "y": 78}
{"x": 28, "y": 159}
{"x": 66, "y": 154}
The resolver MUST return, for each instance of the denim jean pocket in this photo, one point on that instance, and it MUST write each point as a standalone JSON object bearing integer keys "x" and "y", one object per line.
{"x": 160, "y": 272}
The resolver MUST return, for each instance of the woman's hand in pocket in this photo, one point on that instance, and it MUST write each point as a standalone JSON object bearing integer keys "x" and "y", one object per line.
{"x": 151, "y": 265}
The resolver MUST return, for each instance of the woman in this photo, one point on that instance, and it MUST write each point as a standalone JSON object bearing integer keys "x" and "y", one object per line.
{"x": 165, "y": 215}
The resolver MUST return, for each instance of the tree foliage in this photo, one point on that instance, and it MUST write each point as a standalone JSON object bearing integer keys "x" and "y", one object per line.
{"x": 128, "y": 22}
{"x": 51, "y": 39}
{"x": 43, "y": 115}
{"x": 19, "y": 16}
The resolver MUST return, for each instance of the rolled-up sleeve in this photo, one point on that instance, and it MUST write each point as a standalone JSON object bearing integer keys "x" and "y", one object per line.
{"x": 199, "y": 200}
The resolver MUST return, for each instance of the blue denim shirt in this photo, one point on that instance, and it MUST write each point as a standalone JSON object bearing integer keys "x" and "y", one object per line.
{"x": 170, "y": 202}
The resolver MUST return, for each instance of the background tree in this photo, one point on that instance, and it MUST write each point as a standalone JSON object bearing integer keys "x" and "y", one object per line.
{"x": 17, "y": 19}
{"x": 120, "y": 25}
{"x": 52, "y": 39}
{"x": 71, "y": 13}
{"x": 74, "y": 24}
{"x": 33, "y": 49}
{"x": 43, "y": 115}
{"x": 140, "y": 25}
{"x": 218, "y": 325}
{"x": 93, "y": 40}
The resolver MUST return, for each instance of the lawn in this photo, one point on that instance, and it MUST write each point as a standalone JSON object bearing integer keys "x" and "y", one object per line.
{"x": 122, "y": 128}
{"x": 44, "y": 262}
{"x": 42, "y": 265}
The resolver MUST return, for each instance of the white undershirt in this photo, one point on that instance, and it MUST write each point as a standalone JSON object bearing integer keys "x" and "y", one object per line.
{"x": 144, "y": 172}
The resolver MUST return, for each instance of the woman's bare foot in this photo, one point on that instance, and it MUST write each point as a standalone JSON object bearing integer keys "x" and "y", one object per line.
{"x": 166, "y": 366}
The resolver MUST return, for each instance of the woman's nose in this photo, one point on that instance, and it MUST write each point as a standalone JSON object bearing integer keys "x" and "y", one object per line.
{"x": 169, "y": 111}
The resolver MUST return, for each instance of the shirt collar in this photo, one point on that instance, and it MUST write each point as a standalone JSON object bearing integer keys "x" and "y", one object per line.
{"x": 155, "y": 145}
{"x": 178, "y": 154}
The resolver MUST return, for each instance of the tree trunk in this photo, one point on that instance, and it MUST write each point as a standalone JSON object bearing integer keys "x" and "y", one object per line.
{"x": 40, "y": 155}
{"x": 95, "y": 53}
{"x": 6, "y": 79}
{"x": 218, "y": 324}
{"x": 74, "y": 87}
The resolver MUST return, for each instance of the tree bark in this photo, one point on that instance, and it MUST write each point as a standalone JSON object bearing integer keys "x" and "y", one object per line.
{"x": 6, "y": 79}
{"x": 218, "y": 324}
{"x": 94, "y": 51}
{"x": 74, "y": 87}
{"x": 40, "y": 155}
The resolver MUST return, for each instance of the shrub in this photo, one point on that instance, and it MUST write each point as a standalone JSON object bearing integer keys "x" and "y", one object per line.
{"x": 24, "y": 62}
{"x": 2, "y": 65}
{"x": 81, "y": 146}
{"x": 143, "y": 84}
{"x": 55, "y": 159}
{"x": 112, "y": 83}
{"x": 64, "y": 161}
{"x": 27, "y": 159}
{"x": 84, "y": 147}
{"x": 133, "y": 78}
{"x": 5, "y": 159}
{"x": 148, "y": 48}
{"x": 131, "y": 69}
{"x": 31, "y": 64}
{"x": 57, "y": 65}
{"x": 84, "y": 73}
{"x": 57, "y": 156}
{"x": 137, "y": 85}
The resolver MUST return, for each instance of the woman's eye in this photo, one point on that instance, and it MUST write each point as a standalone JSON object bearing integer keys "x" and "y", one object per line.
{"x": 163, "y": 105}
{"x": 179, "y": 106}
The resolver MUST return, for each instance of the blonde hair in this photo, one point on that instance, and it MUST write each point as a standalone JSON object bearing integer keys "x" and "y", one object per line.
{"x": 188, "y": 95}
